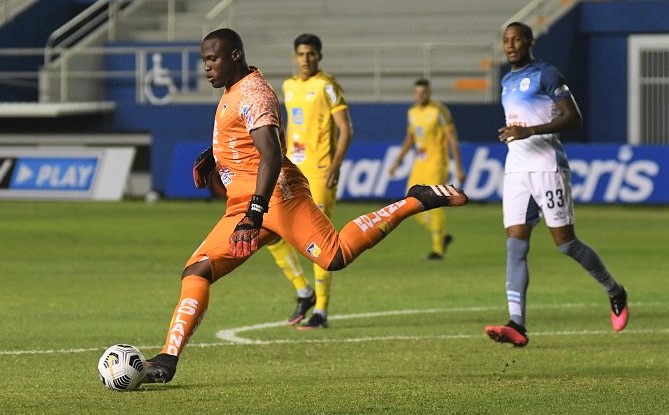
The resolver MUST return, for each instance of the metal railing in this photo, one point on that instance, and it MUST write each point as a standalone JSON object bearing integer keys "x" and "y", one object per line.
{"x": 223, "y": 15}
{"x": 540, "y": 14}
{"x": 82, "y": 26}
{"x": 376, "y": 67}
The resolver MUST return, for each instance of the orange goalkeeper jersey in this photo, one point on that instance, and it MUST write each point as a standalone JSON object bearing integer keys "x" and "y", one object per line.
{"x": 247, "y": 105}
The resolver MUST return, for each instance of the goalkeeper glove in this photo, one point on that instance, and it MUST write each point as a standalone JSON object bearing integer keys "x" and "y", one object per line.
{"x": 244, "y": 239}
{"x": 203, "y": 167}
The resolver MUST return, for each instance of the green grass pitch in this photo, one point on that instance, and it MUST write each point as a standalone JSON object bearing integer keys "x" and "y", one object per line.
{"x": 406, "y": 335}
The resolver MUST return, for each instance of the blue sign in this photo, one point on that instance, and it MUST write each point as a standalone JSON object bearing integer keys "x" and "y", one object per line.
{"x": 58, "y": 173}
{"x": 180, "y": 177}
{"x": 600, "y": 173}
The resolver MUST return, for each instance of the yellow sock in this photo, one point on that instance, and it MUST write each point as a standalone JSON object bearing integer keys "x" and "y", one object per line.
{"x": 286, "y": 258}
{"x": 323, "y": 279}
{"x": 436, "y": 227}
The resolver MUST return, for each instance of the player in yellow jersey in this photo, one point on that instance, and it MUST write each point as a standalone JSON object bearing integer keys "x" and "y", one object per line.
{"x": 431, "y": 132}
{"x": 318, "y": 134}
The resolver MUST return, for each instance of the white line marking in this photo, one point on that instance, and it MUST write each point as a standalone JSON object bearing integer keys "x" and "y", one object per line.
{"x": 230, "y": 336}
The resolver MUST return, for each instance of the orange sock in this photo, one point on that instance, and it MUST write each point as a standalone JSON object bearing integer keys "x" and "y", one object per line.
{"x": 188, "y": 313}
{"x": 368, "y": 230}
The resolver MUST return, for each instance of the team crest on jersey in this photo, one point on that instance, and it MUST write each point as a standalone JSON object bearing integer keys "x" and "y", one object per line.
{"x": 310, "y": 95}
{"x": 314, "y": 250}
{"x": 524, "y": 84}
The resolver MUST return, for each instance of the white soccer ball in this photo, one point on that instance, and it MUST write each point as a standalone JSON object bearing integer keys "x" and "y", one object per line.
{"x": 122, "y": 367}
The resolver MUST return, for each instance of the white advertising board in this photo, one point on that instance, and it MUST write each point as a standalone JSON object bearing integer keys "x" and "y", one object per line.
{"x": 94, "y": 173}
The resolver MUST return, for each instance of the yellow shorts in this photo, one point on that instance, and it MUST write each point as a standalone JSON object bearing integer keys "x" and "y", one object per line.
{"x": 427, "y": 174}
{"x": 323, "y": 197}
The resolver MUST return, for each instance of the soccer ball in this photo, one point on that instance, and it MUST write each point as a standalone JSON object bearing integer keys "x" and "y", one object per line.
{"x": 122, "y": 367}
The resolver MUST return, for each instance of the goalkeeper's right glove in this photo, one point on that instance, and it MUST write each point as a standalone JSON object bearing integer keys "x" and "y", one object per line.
{"x": 245, "y": 237}
{"x": 203, "y": 167}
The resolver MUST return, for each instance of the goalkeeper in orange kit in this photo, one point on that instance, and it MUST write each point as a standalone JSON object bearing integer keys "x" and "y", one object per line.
{"x": 268, "y": 197}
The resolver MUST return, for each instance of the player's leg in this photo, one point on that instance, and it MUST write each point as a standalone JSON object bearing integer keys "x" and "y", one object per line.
{"x": 305, "y": 227}
{"x": 434, "y": 220}
{"x": 440, "y": 239}
{"x": 559, "y": 215}
{"x": 325, "y": 200}
{"x": 289, "y": 263}
{"x": 368, "y": 230}
{"x": 211, "y": 261}
{"x": 189, "y": 311}
{"x": 521, "y": 213}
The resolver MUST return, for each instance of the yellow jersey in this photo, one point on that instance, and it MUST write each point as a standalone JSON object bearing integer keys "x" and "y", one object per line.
{"x": 426, "y": 125}
{"x": 310, "y": 131}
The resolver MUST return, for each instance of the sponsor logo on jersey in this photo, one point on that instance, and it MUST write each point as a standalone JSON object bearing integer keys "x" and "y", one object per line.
{"x": 297, "y": 116}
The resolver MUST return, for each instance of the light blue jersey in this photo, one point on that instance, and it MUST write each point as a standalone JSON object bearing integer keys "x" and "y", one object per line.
{"x": 529, "y": 95}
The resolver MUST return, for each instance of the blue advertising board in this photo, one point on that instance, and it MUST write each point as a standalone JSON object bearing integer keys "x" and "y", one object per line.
{"x": 600, "y": 173}
{"x": 54, "y": 173}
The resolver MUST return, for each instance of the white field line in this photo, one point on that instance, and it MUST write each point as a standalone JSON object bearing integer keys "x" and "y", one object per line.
{"x": 230, "y": 336}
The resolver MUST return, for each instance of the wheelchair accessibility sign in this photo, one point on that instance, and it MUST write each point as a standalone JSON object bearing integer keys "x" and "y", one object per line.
{"x": 158, "y": 86}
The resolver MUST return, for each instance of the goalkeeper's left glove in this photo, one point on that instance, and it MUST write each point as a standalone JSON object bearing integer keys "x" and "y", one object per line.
{"x": 244, "y": 239}
{"x": 203, "y": 167}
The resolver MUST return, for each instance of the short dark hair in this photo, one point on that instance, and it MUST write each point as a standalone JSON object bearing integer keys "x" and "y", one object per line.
{"x": 422, "y": 82}
{"x": 308, "y": 39}
{"x": 231, "y": 37}
{"x": 525, "y": 30}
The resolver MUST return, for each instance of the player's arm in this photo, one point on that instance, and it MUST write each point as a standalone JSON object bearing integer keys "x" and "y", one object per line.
{"x": 266, "y": 139}
{"x": 569, "y": 117}
{"x": 244, "y": 239}
{"x": 406, "y": 146}
{"x": 453, "y": 145}
{"x": 345, "y": 131}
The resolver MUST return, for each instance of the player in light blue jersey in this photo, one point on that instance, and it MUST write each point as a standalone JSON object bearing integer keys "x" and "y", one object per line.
{"x": 537, "y": 180}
